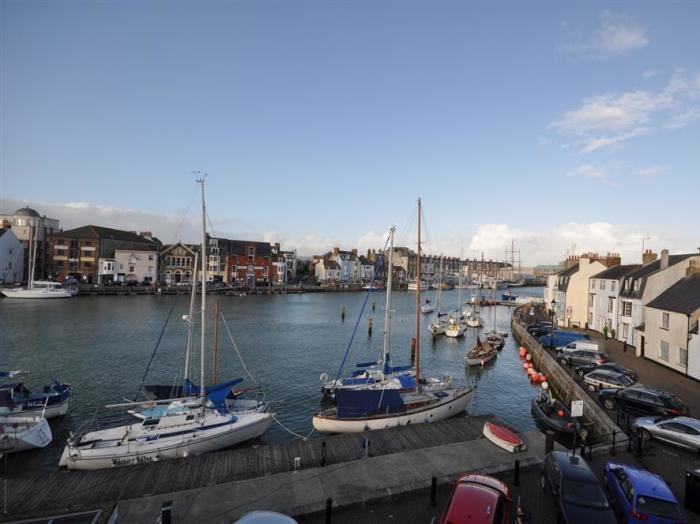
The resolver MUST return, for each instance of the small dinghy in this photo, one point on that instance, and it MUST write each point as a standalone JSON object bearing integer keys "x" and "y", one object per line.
{"x": 503, "y": 438}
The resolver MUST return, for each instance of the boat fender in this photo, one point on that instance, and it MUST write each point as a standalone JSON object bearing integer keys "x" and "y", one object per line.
{"x": 324, "y": 377}
{"x": 545, "y": 385}
{"x": 560, "y": 412}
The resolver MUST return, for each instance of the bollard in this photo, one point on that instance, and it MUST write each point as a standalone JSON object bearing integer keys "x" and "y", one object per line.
{"x": 373, "y": 305}
{"x": 342, "y": 314}
{"x": 549, "y": 441}
{"x": 516, "y": 473}
{"x": 166, "y": 512}
{"x": 323, "y": 454}
{"x": 433, "y": 491}
{"x": 329, "y": 510}
{"x": 582, "y": 450}
{"x": 614, "y": 435}
{"x": 369, "y": 327}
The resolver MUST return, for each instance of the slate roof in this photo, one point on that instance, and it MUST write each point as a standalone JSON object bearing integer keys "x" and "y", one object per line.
{"x": 565, "y": 275}
{"x": 645, "y": 272}
{"x": 617, "y": 272}
{"x": 240, "y": 247}
{"x": 103, "y": 233}
{"x": 682, "y": 297}
{"x": 331, "y": 264}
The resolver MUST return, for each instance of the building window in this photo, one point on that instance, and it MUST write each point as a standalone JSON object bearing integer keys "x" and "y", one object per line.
{"x": 602, "y": 284}
{"x": 611, "y": 303}
{"x": 590, "y": 299}
{"x": 613, "y": 285}
{"x": 593, "y": 283}
{"x": 626, "y": 309}
{"x": 150, "y": 258}
{"x": 625, "y": 330}
{"x": 131, "y": 269}
{"x": 683, "y": 357}
{"x": 636, "y": 284}
{"x": 664, "y": 320}
{"x": 664, "y": 351}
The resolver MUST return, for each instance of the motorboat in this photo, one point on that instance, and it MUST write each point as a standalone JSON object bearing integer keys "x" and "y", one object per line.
{"x": 427, "y": 307}
{"x": 495, "y": 339}
{"x": 413, "y": 286}
{"x": 52, "y": 401}
{"x": 455, "y": 328}
{"x": 23, "y": 433}
{"x": 553, "y": 414}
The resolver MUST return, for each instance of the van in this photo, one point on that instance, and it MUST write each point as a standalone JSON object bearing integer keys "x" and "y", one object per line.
{"x": 591, "y": 345}
{"x": 560, "y": 338}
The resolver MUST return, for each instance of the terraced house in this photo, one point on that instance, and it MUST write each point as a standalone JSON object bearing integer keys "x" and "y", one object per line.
{"x": 78, "y": 252}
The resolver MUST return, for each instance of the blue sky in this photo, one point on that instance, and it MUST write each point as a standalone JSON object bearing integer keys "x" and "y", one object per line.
{"x": 320, "y": 123}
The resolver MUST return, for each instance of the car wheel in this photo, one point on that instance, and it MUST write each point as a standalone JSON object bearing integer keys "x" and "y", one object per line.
{"x": 609, "y": 403}
{"x": 543, "y": 482}
{"x": 563, "y": 361}
{"x": 646, "y": 436}
{"x": 591, "y": 388}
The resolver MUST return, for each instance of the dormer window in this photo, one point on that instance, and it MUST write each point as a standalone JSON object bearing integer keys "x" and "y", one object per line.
{"x": 636, "y": 284}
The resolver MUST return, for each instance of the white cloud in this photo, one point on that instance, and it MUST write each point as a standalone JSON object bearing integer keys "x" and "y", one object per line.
{"x": 611, "y": 119}
{"x": 589, "y": 171}
{"x": 649, "y": 73}
{"x": 651, "y": 171}
{"x": 617, "y": 35}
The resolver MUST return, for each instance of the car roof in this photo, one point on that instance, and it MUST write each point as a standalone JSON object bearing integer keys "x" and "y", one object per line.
{"x": 608, "y": 372}
{"x": 646, "y": 483}
{"x": 658, "y": 392}
{"x": 471, "y": 502}
{"x": 578, "y": 469}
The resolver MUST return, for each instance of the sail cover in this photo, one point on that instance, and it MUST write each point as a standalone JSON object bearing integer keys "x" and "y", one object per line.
{"x": 361, "y": 403}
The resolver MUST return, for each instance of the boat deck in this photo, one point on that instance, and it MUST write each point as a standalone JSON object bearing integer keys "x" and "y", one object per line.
{"x": 63, "y": 491}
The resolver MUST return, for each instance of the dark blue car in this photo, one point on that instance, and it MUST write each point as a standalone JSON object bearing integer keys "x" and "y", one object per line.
{"x": 642, "y": 496}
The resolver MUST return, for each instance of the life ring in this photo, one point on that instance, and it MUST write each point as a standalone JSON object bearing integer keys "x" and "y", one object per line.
{"x": 324, "y": 377}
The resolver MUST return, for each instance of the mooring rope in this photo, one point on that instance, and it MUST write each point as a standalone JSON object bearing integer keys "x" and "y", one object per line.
{"x": 291, "y": 432}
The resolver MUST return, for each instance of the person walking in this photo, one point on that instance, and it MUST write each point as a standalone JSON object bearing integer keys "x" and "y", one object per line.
{"x": 624, "y": 347}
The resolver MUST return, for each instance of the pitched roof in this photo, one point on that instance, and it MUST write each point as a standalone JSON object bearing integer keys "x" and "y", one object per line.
{"x": 240, "y": 247}
{"x": 646, "y": 271}
{"x": 617, "y": 272}
{"x": 682, "y": 297}
{"x": 103, "y": 233}
{"x": 331, "y": 264}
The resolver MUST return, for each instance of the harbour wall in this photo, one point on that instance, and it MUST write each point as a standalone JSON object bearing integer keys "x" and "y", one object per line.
{"x": 600, "y": 426}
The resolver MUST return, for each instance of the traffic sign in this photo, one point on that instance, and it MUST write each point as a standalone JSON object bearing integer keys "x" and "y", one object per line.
{"x": 577, "y": 408}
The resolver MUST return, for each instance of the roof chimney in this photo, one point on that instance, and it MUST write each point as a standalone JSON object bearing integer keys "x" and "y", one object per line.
{"x": 336, "y": 251}
{"x": 664, "y": 258}
{"x": 649, "y": 256}
{"x": 354, "y": 251}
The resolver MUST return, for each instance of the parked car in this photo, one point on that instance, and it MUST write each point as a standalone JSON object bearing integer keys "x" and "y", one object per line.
{"x": 605, "y": 378}
{"x": 592, "y": 345}
{"x": 581, "y": 356}
{"x": 643, "y": 401}
{"x": 478, "y": 499}
{"x": 577, "y": 493}
{"x": 641, "y": 496}
{"x": 683, "y": 432}
{"x": 612, "y": 366}
{"x": 560, "y": 338}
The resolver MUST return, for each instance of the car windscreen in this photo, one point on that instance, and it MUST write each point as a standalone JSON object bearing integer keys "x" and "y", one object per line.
{"x": 662, "y": 508}
{"x": 626, "y": 381}
{"x": 587, "y": 494}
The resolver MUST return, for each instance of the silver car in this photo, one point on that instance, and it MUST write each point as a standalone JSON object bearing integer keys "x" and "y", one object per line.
{"x": 683, "y": 432}
{"x": 606, "y": 379}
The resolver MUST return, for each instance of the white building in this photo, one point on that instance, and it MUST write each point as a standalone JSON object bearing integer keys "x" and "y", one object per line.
{"x": 570, "y": 288}
{"x": 671, "y": 326}
{"x": 603, "y": 299}
{"x": 326, "y": 270}
{"x": 129, "y": 266}
{"x": 644, "y": 285}
{"x": 366, "y": 269}
{"x": 26, "y": 223}
{"x": 11, "y": 257}
{"x": 349, "y": 264}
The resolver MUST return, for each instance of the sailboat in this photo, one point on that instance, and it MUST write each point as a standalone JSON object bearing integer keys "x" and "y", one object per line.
{"x": 38, "y": 288}
{"x": 474, "y": 317}
{"x": 481, "y": 354}
{"x": 456, "y": 326}
{"x": 493, "y": 337}
{"x": 380, "y": 406}
{"x": 437, "y": 327}
{"x": 427, "y": 307}
{"x": 173, "y": 428}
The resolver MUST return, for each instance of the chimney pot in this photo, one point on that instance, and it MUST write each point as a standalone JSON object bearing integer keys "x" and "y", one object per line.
{"x": 664, "y": 258}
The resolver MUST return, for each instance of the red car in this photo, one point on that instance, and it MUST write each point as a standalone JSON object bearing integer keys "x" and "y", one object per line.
{"x": 478, "y": 499}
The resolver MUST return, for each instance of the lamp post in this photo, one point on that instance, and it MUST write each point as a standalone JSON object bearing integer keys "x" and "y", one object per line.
{"x": 554, "y": 322}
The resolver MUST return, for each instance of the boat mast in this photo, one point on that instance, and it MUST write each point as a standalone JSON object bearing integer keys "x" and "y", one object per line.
{"x": 387, "y": 305}
{"x": 190, "y": 319}
{"x": 459, "y": 287}
{"x": 32, "y": 252}
{"x": 439, "y": 292}
{"x": 419, "y": 279}
{"x": 204, "y": 294}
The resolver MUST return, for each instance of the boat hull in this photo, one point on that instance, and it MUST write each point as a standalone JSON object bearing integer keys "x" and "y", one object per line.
{"x": 145, "y": 451}
{"x": 35, "y": 294}
{"x": 503, "y": 438}
{"x": 449, "y": 407}
{"x": 482, "y": 359}
{"x": 564, "y": 425}
{"x": 23, "y": 434}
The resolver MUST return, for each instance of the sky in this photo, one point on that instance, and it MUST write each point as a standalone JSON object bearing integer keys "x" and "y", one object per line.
{"x": 563, "y": 127}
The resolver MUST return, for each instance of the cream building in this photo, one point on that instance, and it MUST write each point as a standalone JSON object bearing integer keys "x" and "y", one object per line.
{"x": 671, "y": 326}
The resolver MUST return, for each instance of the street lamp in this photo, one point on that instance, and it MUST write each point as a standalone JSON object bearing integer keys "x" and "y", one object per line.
{"x": 554, "y": 322}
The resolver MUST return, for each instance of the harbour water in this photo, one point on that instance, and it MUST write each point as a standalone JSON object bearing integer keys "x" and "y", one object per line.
{"x": 102, "y": 346}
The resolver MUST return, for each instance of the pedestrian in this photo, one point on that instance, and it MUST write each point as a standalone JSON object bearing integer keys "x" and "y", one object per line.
{"x": 624, "y": 347}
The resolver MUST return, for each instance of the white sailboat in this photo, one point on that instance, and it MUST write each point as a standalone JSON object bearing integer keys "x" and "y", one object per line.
{"x": 38, "y": 288}
{"x": 413, "y": 286}
{"x": 456, "y": 325}
{"x": 24, "y": 433}
{"x": 474, "y": 316}
{"x": 437, "y": 327}
{"x": 177, "y": 428}
{"x": 381, "y": 406}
